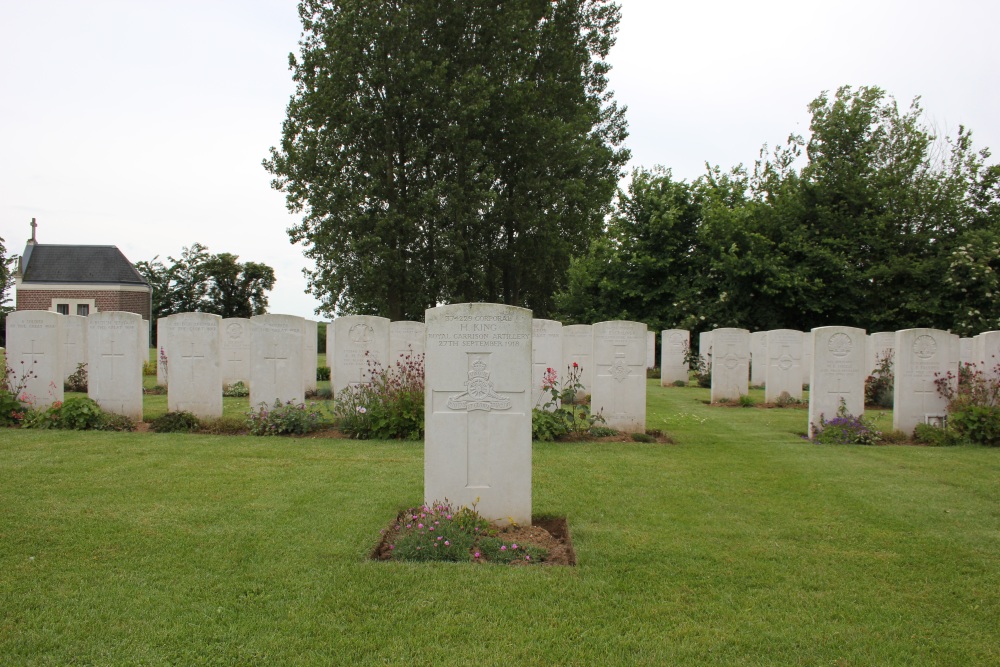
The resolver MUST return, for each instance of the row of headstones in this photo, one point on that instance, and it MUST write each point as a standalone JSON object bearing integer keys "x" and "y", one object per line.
{"x": 836, "y": 361}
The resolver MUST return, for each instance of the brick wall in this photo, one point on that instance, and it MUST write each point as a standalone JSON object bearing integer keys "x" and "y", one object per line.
{"x": 105, "y": 300}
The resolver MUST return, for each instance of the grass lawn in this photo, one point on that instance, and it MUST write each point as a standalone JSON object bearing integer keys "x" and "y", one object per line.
{"x": 741, "y": 544}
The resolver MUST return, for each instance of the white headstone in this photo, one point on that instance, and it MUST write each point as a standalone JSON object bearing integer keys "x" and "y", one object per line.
{"x": 310, "y": 353}
{"x": 361, "y": 344}
{"x": 578, "y": 348}
{"x": 330, "y": 347}
{"x": 807, "y": 352}
{"x": 880, "y": 344}
{"x": 838, "y": 373}
{"x": 114, "y": 368}
{"x": 276, "y": 360}
{"x": 406, "y": 339}
{"x": 967, "y": 350}
{"x": 235, "y": 350}
{"x": 650, "y": 349}
{"x": 784, "y": 365}
{"x": 758, "y": 358}
{"x": 35, "y": 356}
{"x": 674, "y": 345}
{"x": 546, "y": 353}
{"x": 619, "y": 393}
{"x": 922, "y": 356}
{"x": 477, "y": 405}
{"x": 987, "y": 353}
{"x": 74, "y": 332}
{"x": 730, "y": 364}
{"x": 194, "y": 375}
{"x": 162, "y": 353}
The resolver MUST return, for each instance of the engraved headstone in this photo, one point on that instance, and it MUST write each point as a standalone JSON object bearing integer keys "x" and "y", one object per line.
{"x": 276, "y": 360}
{"x": 967, "y": 350}
{"x": 619, "y": 392}
{"x": 310, "y": 353}
{"x": 758, "y": 358}
{"x": 74, "y": 332}
{"x": 674, "y": 344}
{"x": 784, "y": 365}
{"x": 987, "y": 353}
{"x": 922, "y": 355}
{"x": 194, "y": 375}
{"x": 114, "y": 367}
{"x": 730, "y": 364}
{"x": 807, "y": 352}
{"x": 406, "y": 339}
{"x": 361, "y": 343}
{"x": 235, "y": 350}
{"x": 838, "y": 373}
{"x": 546, "y": 353}
{"x": 578, "y": 348}
{"x": 35, "y": 356}
{"x": 477, "y": 447}
{"x": 650, "y": 349}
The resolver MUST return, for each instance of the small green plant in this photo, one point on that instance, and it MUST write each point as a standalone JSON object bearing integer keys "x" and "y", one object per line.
{"x": 77, "y": 381}
{"x": 895, "y": 437}
{"x": 973, "y": 403}
{"x": 643, "y": 437}
{"x": 236, "y": 390}
{"x": 746, "y": 402}
{"x": 322, "y": 374}
{"x": 175, "y": 422}
{"x": 78, "y": 413}
{"x": 81, "y": 413}
{"x": 439, "y": 532}
{"x": 289, "y": 418}
{"x": 846, "y": 429}
{"x": 149, "y": 368}
{"x": 680, "y": 383}
{"x": 603, "y": 431}
{"x": 115, "y": 422}
{"x": 935, "y": 436}
{"x": 785, "y": 400}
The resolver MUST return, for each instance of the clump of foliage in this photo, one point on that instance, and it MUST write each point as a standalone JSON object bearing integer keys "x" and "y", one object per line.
{"x": 322, "y": 374}
{"x": 565, "y": 414}
{"x": 289, "y": 418}
{"x": 13, "y": 398}
{"x": 77, "y": 381}
{"x": 149, "y": 368}
{"x": 439, "y": 532}
{"x": 79, "y": 413}
{"x": 701, "y": 364}
{"x": 603, "y": 431}
{"x": 935, "y": 436}
{"x": 175, "y": 422}
{"x": 236, "y": 390}
{"x": 846, "y": 429}
{"x": 878, "y": 385}
{"x": 973, "y": 403}
{"x": 389, "y": 406}
{"x": 746, "y": 401}
{"x": 643, "y": 437}
{"x": 223, "y": 426}
{"x": 785, "y": 399}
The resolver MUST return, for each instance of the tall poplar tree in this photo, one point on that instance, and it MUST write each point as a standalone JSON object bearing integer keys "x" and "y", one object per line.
{"x": 448, "y": 150}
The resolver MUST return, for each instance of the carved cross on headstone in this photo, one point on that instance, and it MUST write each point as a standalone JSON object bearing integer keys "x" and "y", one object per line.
{"x": 235, "y": 360}
{"x": 191, "y": 358}
{"x": 620, "y": 371}
{"x": 32, "y": 353}
{"x": 110, "y": 355}
{"x": 477, "y": 408}
{"x": 274, "y": 359}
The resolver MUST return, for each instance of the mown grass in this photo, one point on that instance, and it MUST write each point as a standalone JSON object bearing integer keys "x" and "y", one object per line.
{"x": 740, "y": 544}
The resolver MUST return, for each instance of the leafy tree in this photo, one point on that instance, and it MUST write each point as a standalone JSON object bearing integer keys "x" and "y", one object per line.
{"x": 448, "y": 151}
{"x": 7, "y": 268}
{"x": 201, "y": 282}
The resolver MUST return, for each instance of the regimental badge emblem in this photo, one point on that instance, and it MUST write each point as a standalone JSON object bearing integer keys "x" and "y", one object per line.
{"x": 619, "y": 369}
{"x": 840, "y": 345}
{"x": 234, "y": 330}
{"x": 924, "y": 347}
{"x": 730, "y": 361}
{"x": 479, "y": 392}
{"x": 361, "y": 333}
{"x": 785, "y": 362}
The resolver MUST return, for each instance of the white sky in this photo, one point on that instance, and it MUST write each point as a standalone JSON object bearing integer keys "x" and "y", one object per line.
{"x": 143, "y": 123}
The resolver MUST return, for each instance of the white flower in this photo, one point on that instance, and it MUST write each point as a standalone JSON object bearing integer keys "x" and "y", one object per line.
{"x": 361, "y": 409}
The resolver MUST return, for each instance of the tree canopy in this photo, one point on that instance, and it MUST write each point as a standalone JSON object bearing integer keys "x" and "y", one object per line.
{"x": 198, "y": 281}
{"x": 448, "y": 151}
{"x": 871, "y": 222}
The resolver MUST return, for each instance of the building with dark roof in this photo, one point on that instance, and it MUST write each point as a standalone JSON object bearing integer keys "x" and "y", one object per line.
{"x": 79, "y": 280}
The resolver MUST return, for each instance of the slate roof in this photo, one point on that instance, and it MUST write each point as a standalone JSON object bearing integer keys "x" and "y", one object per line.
{"x": 80, "y": 264}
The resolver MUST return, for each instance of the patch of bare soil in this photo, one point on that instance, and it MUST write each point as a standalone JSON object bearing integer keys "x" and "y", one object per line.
{"x": 550, "y": 533}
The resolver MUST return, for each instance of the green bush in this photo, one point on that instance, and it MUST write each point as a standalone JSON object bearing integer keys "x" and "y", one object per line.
{"x": 81, "y": 413}
{"x": 390, "y": 406}
{"x": 77, "y": 381}
{"x": 979, "y": 424}
{"x": 603, "y": 431}
{"x": 746, "y": 402}
{"x": 175, "y": 422}
{"x": 878, "y": 385}
{"x": 115, "y": 422}
{"x": 284, "y": 419}
{"x": 565, "y": 413}
{"x": 11, "y": 410}
{"x": 149, "y": 368}
{"x": 322, "y": 373}
{"x": 925, "y": 434}
{"x": 236, "y": 390}
{"x": 846, "y": 429}
{"x": 643, "y": 437}
{"x": 973, "y": 403}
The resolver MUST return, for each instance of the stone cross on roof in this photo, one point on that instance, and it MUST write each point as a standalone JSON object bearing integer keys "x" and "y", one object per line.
{"x": 34, "y": 226}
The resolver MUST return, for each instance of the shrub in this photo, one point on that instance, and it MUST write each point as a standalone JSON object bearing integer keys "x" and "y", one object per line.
{"x": 175, "y": 422}
{"x": 81, "y": 413}
{"x": 322, "y": 373}
{"x": 223, "y": 426}
{"x": 115, "y": 422}
{"x": 680, "y": 383}
{"x": 236, "y": 390}
{"x": 149, "y": 368}
{"x": 973, "y": 403}
{"x": 846, "y": 429}
{"x": 42, "y": 419}
{"x": 284, "y": 419}
{"x": 565, "y": 413}
{"x": 603, "y": 431}
{"x": 895, "y": 437}
{"x": 878, "y": 385}
{"x": 77, "y": 381}
{"x": 390, "y": 406}
{"x": 785, "y": 399}
{"x": 746, "y": 402}
{"x": 643, "y": 437}
{"x": 925, "y": 434}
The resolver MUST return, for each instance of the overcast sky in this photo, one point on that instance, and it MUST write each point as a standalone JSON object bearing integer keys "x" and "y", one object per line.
{"x": 143, "y": 123}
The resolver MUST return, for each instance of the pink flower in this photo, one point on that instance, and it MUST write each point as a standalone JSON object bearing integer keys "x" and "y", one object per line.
{"x": 420, "y": 525}
{"x": 514, "y": 547}
{"x": 446, "y": 543}
{"x": 503, "y": 547}
{"x": 527, "y": 558}
{"x": 475, "y": 555}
